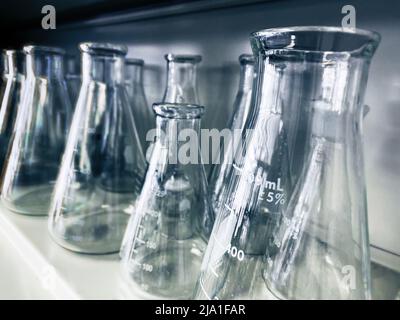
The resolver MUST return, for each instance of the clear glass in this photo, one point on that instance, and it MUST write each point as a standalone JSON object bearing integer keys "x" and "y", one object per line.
{"x": 10, "y": 96}
{"x": 103, "y": 165}
{"x": 293, "y": 224}
{"x": 165, "y": 240}
{"x": 181, "y": 83}
{"x": 181, "y": 79}
{"x": 42, "y": 123}
{"x": 72, "y": 76}
{"x": 241, "y": 109}
{"x": 144, "y": 116}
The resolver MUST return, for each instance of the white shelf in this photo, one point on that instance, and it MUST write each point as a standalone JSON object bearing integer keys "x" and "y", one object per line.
{"x": 32, "y": 265}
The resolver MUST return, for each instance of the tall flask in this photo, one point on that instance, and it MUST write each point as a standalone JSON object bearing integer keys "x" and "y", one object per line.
{"x": 309, "y": 241}
{"x": 181, "y": 83}
{"x": 181, "y": 79}
{"x": 165, "y": 239}
{"x": 241, "y": 110}
{"x": 42, "y": 123}
{"x": 10, "y": 96}
{"x": 103, "y": 165}
{"x": 144, "y": 116}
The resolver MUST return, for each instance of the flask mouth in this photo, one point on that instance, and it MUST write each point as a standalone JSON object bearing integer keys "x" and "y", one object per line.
{"x": 316, "y": 41}
{"x": 14, "y": 60}
{"x": 178, "y": 110}
{"x": 31, "y": 49}
{"x": 105, "y": 49}
{"x": 189, "y": 58}
{"x": 134, "y": 61}
{"x": 246, "y": 58}
{"x": 18, "y": 54}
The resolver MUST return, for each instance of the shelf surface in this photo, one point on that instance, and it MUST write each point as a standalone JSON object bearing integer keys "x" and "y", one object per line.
{"x": 50, "y": 271}
{"x": 33, "y": 266}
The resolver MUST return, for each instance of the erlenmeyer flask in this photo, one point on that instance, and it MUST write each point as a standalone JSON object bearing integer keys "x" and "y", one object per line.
{"x": 144, "y": 117}
{"x": 10, "y": 96}
{"x": 181, "y": 83}
{"x": 42, "y": 123}
{"x": 165, "y": 240}
{"x": 241, "y": 110}
{"x": 103, "y": 165}
{"x": 309, "y": 80}
{"x": 181, "y": 79}
{"x": 72, "y": 77}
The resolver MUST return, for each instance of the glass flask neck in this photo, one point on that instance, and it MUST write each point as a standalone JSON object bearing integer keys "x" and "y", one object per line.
{"x": 14, "y": 62}
{"x": 103, "y": 68}
{"x": 178, "y": 125}
{"x": 45, "y": 63}
{"x": 181, "y": 79}
{"x": 330, "y": 63}
{"x": 134, "y": 73}
{"x": 170, "y": 128}
{"x": 246, "y": 75}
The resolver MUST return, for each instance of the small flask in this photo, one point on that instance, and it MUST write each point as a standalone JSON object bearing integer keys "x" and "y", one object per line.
{"x": 10, "y": 96}
{"x": 144, "y": 117}
{"x": 103, "y": 164}
{"x": 165, "y": 239}
{"x": 241, "y": 109}
{"x": 41, "y": 127}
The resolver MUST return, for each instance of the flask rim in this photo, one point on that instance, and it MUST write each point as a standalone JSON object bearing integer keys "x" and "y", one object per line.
{"x": 31, "y": 49}
{"x": 189, "y": 58}
{"x": 178, "y": 110}
{"x": 13, "y": 52}
{"x": 246, "y": 58}
{"x": 282, "y": 41}
{"x": 134, "y": 61}
{"x": 103, "y": 48}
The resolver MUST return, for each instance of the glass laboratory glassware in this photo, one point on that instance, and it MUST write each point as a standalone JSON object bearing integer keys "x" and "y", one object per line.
{"x": 103, "y": 165}
{"x": 181, "y": 83}
{"x": 181, "y": 79}
{"x": 72, "y": 77}
{"x": 42, "y": 123}
{"x": 241, "y": 110}
{"x": 165, "y": 241}
{"x": 317, "y": 248}
{"x": 144, "y": 117}
{"x": 10, "y": 96}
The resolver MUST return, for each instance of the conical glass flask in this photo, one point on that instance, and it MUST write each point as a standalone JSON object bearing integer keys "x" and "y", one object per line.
{"x": 72, "y": 76}
{"x": 181, "y": 79}
{"x": 103, "y": 165}
{"x": 10, "y": 96}
{"x": 42, "y": 123}
{"x": 241, "y": 110}
{"x": 165, "y": 240}
{"x": 144, "y": 117}
{"x": 181, "y": 83}
{"x": 273, "y": 240}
